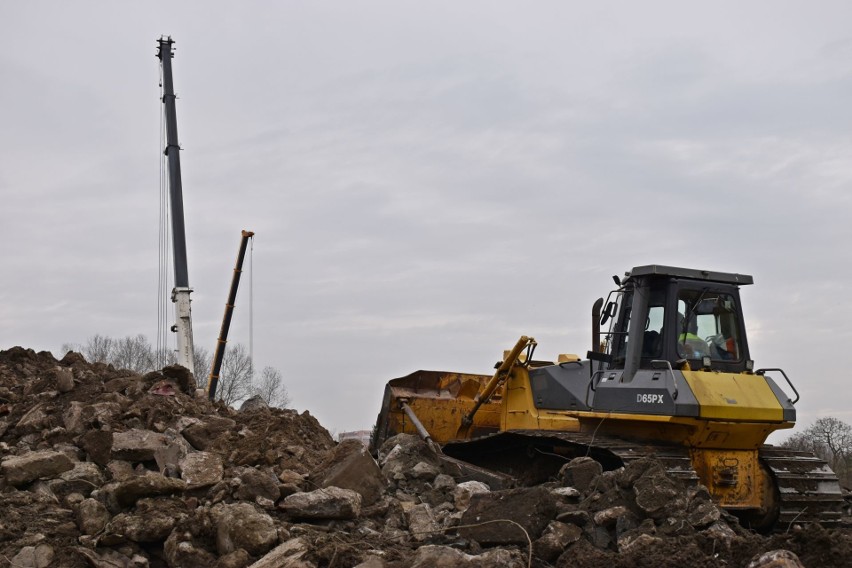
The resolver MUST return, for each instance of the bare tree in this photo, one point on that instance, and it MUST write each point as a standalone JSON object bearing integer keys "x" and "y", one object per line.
{"x": 271, "y": 388}
{"x": 202, "y": 360}
{"x": 235, "y": 376}
{"x": 98, "y": 349}
{"x": 831, "y": 440}
{"x": 134, "y": 353}
{"x": 137, "y": 354}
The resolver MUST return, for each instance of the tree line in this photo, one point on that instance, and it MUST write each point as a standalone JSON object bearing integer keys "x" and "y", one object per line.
{"x": 237, "y": 379}
{"x": 829, "y": 439}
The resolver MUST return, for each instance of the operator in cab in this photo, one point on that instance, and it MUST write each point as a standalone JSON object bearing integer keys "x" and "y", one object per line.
{"x": 689, "y": 344}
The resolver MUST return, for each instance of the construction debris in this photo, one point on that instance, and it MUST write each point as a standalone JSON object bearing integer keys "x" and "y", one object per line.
{"x": 102, "y": 467}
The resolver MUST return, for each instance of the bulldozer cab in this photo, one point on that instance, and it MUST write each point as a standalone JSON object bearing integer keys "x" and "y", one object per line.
{"x": 680, "y": 316}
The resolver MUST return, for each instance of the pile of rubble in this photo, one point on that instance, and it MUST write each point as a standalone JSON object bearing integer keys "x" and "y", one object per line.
{"x": 106, "y": 468}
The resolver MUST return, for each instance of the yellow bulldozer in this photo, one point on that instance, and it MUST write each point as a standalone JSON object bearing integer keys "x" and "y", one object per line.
{"x": 669, "y": 375}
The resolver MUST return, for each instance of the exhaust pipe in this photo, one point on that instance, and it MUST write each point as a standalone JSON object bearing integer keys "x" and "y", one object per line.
{"x": 596, "y": 325}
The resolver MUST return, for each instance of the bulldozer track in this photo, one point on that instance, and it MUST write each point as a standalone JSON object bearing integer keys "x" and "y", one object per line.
{"x": 515, "y": 446}
{"x": 807, "y": 490}
{"x": 674, "y": 458}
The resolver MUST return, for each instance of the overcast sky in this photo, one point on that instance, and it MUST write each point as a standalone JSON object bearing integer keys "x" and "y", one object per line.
{"x": 429, "y": 180}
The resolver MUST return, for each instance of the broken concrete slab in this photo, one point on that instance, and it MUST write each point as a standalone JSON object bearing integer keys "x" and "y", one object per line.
{"x": 180, "y": 552}
{"x": 325, "y": 503}
{"x": 23, "y": 469}
{"x": 424, "y": 471}
{"x": 204, "y": 432}
{"x": 38, "y": 418}
{"x": 255, "y": 483}
{"x": 608, "y": 517}
{"x": 200, "y": 469}
{"x": 254, "y": 403}
{"x": 39, "y": 556}
{"x": 80, "y": 417}
{"x": 122, "y": 494}
{"x": 350, "y": 466}
{"x": 241, "y": 525}
{"x": 555, "y": 539}
{"x": 401, "y": 453}
{"x": 84, "y": 478}
{"x": 64, "y": 379}
{"x": 579, "y": 473}
{"x": 430, "y": 556}
{"x": 168, "y": 458}
{"x": 465, "y": 490}
{"x": 91, "y": 516}
{"x": 658, "y": 495}
{"x": 289, "y": 554}
{"x": 137, "y": 444}
{"x": 152, "y": 520}
{"x": 776, "y": 559}
{"x": 421, "y": 522}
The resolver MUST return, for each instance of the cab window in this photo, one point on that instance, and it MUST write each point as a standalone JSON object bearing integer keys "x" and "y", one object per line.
{"x": 619, "y": 323}
{"x": 652, "y": 344}
{"x": 707, "y": 325}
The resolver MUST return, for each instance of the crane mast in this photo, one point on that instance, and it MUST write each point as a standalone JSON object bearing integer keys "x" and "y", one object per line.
{"x": 181, "y": 291}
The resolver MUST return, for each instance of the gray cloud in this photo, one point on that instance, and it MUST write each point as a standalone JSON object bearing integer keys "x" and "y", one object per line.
{"x": 428, "y": 182}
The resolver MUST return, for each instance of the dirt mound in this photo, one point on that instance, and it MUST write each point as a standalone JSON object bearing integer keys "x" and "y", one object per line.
{"x": 106, "y": 468}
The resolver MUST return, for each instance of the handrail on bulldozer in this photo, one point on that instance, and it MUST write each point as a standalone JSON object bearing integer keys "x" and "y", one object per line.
{"x": 789, "y": 382}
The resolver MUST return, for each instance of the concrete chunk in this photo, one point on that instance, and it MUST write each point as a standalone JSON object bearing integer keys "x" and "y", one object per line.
{"x": 256, "y": 483}
{"x": 465, "y": 490}
{"x": 776, "y": 559}
{"x": 580, "y": 472}
{"x": 421, "y": 522}
{"x": 81, "y": 417}
{"x": 555, "y": 539}
{"x": 125, "y": 493}
{"x": 326, "y": 503}
{"x": 36, "y": 420}
{"x": 286, "y": 555}
{"x": 608, "y": 517}
{"x": 432, "y": 555}
{"x": 64, "y": 377}
{"x": 40, "y": 556}
{"x": 201, "y": 434}
{"x": 200, "y": 469}
{"x": 351, "y": 467}
{"x": 137, "y": 445}
{"x": 240, "y": 525}
{"x": 20, "y": 470}
{"x": 91, "y": 516}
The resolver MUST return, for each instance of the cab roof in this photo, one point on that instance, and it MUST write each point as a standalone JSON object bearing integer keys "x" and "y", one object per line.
{"x": 688, "y": 273}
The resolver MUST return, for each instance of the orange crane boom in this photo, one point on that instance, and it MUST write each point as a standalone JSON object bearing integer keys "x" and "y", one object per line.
{"x": 219, "y": 352}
